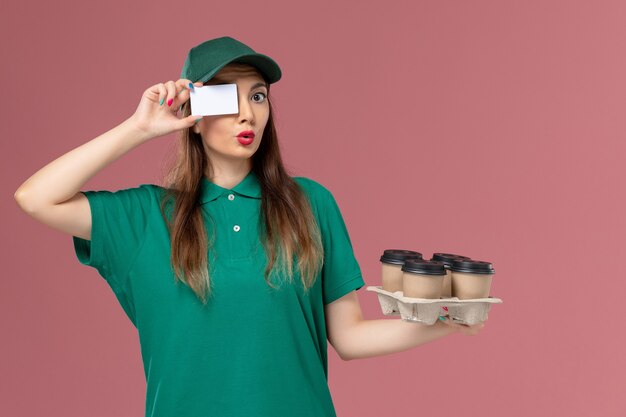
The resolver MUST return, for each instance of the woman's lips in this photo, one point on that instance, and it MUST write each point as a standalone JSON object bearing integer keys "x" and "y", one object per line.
{"x": 246, "y": 138}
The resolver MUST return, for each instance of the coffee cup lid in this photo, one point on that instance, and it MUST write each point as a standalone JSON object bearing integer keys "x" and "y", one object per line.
{"x": 425, "y": 267}
{"x": 446, "y": 258}
{"x": 472, "y": 266}
{"x": 398, "y": 256}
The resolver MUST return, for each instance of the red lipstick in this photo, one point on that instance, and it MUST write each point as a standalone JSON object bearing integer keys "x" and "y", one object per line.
{"x": 246, "y": 137}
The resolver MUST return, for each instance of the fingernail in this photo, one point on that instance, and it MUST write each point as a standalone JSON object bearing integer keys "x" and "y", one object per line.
{"x": 161, "y": 102}
{"x": 442, "y": 318}
{"x": 445, "y": 308}
{"x": 180, "y": 108}
{"x": 191, "y": 86}
{"x": 169, "y": 102}
{"x": 198, "y": 119}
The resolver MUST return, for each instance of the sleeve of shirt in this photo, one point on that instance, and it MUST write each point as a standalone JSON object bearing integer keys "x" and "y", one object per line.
{"x": 118, "y": 222}
{"x": 341, "y": 272}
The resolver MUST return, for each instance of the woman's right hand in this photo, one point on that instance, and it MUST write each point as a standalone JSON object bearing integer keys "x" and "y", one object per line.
{"x": 154, "y": 119}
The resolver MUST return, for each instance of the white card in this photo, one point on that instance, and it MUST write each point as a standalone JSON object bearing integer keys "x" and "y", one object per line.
{"x": 210, "y": 100}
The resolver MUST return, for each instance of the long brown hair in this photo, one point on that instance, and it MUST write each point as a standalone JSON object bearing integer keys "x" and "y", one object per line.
{"x": 287, "y": 227}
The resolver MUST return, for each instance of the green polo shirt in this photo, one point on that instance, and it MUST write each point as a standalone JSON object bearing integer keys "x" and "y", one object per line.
{"x": 252, "y": 350}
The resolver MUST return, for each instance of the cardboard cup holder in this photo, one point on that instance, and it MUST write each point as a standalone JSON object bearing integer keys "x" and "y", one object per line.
{"x": 427, "y": 311}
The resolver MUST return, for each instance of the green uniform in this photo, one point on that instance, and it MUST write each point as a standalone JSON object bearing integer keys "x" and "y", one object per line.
{"x": 252, "y": 350}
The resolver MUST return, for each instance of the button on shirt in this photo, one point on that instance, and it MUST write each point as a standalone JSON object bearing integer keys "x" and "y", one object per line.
{"x": 252, "y": 350}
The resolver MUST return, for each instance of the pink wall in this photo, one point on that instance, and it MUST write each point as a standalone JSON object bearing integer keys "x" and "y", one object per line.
{"x": 493, "y": 129}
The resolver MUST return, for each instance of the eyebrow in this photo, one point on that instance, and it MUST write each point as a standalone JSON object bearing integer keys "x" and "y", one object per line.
{"x": 258, "y": 85}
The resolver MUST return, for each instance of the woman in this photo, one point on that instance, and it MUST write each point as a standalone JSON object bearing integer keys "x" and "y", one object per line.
{"x": 234, "y": 273}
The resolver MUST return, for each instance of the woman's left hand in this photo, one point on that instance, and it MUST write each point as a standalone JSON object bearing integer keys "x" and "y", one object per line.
{"x": 464, "y": 328}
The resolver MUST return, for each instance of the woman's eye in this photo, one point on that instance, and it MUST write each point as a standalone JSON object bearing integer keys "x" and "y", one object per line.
{"x": 257, "y": 95}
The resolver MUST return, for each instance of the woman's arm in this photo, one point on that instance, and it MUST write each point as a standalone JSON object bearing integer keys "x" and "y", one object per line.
{"x": 52, "y": 196}
{"x": 62, "y": 178}
{"x": 355, "y": 338}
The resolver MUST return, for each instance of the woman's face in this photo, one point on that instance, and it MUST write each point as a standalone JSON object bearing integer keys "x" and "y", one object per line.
{"x": 219, "y": 133}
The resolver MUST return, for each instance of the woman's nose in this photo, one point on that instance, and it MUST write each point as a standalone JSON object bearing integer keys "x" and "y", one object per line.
{"x": 245, "y": 111}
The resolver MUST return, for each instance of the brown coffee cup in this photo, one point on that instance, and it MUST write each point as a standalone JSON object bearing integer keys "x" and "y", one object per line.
{"x": 392, "y": 261}
{"x": 447, "y": 258}
{"x": 422, "y": 278}
{"x": 471, "y": 278}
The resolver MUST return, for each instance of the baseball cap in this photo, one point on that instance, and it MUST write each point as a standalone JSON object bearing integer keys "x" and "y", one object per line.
{"x": 208, "y": 58}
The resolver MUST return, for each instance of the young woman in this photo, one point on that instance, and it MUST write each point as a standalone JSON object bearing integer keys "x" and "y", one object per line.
{"x": 234, "y": 273}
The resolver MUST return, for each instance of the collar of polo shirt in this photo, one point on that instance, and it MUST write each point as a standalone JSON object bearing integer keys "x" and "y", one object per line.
{"x": 249, "y": 187}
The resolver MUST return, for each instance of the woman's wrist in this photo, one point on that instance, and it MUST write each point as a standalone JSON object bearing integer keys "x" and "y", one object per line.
{"x": 137, "y": 134}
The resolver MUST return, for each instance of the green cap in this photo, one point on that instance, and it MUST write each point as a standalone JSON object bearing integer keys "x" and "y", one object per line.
{"x": 205, "y": 60}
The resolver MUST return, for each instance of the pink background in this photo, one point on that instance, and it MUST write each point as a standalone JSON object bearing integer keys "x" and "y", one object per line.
{"x": 493, "y": 129}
